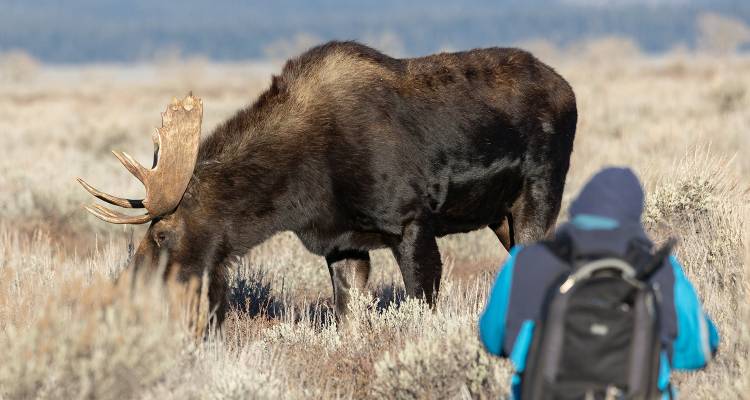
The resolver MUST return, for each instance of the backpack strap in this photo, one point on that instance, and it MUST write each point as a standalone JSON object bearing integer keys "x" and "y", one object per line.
{"x": 562, "y": 247}
{"x": 638, "y": 255}
{"x": 616, "y": 263}
{"x": 586, "y": 270}
{"x": 657, "y": 260}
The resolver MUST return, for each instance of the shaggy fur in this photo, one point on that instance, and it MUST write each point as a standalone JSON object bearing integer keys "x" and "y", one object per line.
{"x": 354, "y": 150}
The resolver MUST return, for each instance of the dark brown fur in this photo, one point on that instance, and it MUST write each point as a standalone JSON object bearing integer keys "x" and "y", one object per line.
{"x": 354, "y": 150}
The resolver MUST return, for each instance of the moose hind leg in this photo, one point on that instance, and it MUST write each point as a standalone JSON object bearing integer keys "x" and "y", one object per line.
{"x": 349, "y": 270}
{"x": 535, "y": 211}
{"x": 418, "y": 258}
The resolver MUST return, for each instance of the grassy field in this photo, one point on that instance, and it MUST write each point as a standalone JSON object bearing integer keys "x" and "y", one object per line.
{"x": 68, "y": 330}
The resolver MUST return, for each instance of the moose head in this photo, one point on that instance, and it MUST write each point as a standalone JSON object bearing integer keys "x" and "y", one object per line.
{"x": 167, "y": 206}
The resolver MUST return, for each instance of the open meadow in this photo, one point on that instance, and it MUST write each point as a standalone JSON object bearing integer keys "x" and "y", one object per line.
{"x": 68, "y": 330}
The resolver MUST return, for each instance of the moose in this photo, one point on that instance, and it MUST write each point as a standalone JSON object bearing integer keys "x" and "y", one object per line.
{"x": 353, "y": 150}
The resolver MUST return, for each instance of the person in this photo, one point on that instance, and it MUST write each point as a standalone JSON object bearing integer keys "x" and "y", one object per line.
{"x": 604, "y": 219}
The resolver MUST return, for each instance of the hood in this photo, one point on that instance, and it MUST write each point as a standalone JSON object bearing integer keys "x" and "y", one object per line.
{"x": 606, "y": 216}
{"x": 614, "y": 193}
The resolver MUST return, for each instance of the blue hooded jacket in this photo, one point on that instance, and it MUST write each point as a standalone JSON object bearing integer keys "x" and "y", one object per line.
{"x": 604, "y": 219}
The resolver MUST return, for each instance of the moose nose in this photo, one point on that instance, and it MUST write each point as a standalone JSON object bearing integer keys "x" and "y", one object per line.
{"x": 145, "y": 258}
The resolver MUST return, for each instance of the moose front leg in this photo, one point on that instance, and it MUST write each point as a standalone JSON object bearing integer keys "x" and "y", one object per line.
{"x": 349, "y": 270}
{"x": 418, "y": 258}
{"x": 218, "y": 289}
{"x": 210, "y": 304}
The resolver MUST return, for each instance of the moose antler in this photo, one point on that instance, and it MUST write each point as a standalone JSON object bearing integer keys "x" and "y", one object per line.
{"x": 175, "y": 154}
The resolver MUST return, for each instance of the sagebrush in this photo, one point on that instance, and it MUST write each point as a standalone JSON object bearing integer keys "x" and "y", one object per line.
{"x": 69, "y": 330}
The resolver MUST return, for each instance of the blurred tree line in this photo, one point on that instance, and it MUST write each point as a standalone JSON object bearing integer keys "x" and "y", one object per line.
{"x": 107, "y": 30}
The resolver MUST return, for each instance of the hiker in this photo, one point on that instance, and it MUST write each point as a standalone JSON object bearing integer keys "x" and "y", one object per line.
{"x": 605, "y": 223}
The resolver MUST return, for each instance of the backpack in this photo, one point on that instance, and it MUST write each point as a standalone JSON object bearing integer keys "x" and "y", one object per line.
{"x": 598, "y": 335}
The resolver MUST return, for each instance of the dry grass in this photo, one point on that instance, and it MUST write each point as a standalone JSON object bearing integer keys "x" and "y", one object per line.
{"x": 68, "y": 331}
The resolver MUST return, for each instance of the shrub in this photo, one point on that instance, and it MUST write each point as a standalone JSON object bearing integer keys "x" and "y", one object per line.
{"x": 101, "y": 341}
{"x": 697, "y": 187}
{"x": 685, "y": 199}
{"x": 436, "y": 368}
{"x": 246, "y": 376}
{"x": 303, "y": 334}
{"x": 721, "y": 34}
{"x": 18, "y": 66}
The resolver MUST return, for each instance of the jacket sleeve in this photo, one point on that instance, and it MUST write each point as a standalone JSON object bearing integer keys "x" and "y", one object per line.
{"x": 492, "y": 321}
{"x": 697, "y": 338}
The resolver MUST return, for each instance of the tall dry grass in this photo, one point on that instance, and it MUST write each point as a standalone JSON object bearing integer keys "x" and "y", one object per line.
{"x": 69, "y": 330}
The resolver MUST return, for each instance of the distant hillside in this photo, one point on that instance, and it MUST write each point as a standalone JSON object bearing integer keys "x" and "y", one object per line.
{"x": 107, "y": 30}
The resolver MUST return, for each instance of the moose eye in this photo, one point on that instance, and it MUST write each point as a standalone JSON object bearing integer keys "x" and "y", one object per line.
{"x": 160, "y": 238}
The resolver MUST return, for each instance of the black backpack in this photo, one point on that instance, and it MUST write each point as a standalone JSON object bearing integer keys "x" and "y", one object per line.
{"x": 598, "y": 335}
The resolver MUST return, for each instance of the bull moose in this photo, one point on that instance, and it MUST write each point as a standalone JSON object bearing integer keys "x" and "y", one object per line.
{"x": 353, "y": 150}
